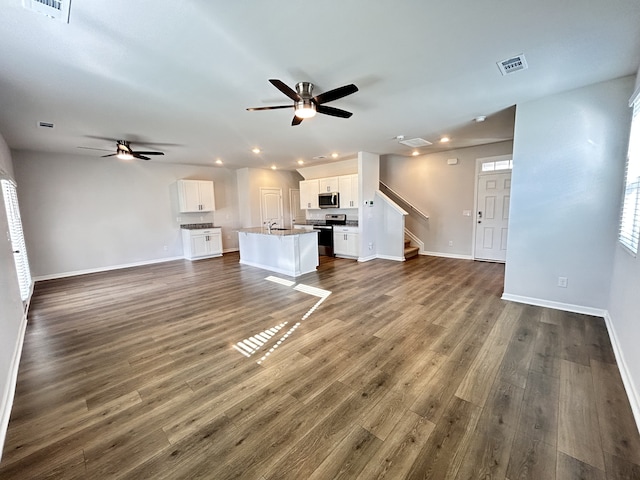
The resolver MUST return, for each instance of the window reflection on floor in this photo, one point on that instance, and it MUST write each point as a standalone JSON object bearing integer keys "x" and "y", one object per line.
{"x": 261, "y": 341}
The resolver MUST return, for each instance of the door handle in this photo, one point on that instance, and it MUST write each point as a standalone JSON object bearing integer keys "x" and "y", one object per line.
{"x": 16, "y": 251}
{"x": 479, "y": 214}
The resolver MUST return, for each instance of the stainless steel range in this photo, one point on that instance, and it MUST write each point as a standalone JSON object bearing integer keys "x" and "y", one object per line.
{"x": 325, "y": 232}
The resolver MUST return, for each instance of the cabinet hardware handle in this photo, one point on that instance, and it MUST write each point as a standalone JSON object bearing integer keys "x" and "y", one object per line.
{"x": 16, "y": 251}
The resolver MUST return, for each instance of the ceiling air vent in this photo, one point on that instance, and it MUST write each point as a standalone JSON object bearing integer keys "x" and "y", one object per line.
{"x": 513, "y": 64}
{"x": 58, "y": 9}
{"x": 45, "y": 124}
{"x": 415, "y": 142}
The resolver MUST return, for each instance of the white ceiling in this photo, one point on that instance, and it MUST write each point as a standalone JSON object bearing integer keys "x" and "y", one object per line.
{"x": 178, "y": 76}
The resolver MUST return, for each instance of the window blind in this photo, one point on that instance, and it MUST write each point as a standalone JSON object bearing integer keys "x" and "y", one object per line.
{"x": 17, "y": 237}
{"x": 629, "y": 235}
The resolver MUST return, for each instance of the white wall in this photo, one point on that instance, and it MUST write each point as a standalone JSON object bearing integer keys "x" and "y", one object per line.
{"x": 624, "y": 321}
{"x": 84, "y": 213}
{"x": 441, "y": 191}
{"x": 12, "y": 318}
{"x": 568, "y": 155}
{"x": 368, "y": 185}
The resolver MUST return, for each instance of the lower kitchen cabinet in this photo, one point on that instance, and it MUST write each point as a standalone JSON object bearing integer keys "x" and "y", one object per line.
{"x": 346, "y": 242}
{"x": 202, "y": 243}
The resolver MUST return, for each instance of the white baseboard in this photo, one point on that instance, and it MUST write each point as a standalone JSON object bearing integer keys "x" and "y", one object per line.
{"x": 10, "y": 389}
{"x": 567, "y": 307}
{"x": 104, "y": 269}
{"x": 391, "y": 257}
{"x": 367, "y": 259}
{"x": 230, "y": 250}
{"x": 447, "y": 255}
{"x": 632, "y": 393}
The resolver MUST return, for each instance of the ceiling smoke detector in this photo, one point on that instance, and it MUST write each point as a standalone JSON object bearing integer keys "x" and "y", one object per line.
{"x": 513, "y": 64}
{"x": 415, "y": 142}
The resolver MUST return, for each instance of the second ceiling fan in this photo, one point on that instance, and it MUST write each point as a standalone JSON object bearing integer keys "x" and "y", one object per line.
{"x": 305, "y": 105}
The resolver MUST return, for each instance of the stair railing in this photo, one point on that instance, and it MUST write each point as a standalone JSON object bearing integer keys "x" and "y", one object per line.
{"x": 404, "y": 200}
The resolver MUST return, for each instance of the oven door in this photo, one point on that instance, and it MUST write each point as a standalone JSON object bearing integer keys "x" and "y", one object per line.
{"x": 325, "y": 239}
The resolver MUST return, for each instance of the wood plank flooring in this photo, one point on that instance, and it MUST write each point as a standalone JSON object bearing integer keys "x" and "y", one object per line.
{"x": 412, "y": 370}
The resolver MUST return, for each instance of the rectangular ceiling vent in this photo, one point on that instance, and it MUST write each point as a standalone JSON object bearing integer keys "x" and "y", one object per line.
{"x": 45, "y": 124}
{"x": 58, "y": 9}
{"x": 514, "y": 64}
{"x": 415, "y": 142}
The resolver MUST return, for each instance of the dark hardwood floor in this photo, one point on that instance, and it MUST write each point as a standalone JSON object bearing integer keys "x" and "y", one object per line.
{"x": 404, "y": 371}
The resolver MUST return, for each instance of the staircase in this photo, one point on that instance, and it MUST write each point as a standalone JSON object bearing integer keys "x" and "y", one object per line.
{"x": 409, "y": 251}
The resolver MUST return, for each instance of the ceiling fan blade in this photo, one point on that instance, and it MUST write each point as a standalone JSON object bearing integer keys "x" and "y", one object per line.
{"x": 141, "y": 157}
{"x": 101, "y": 149}
{"x": 110, "y": 155}
{"x": 287, "y": 90}
{"x": 149, "y": 153}
{"x": 296, "y": 121}
{"x": 335, "y": 94}
{"x": 252, "y": 109}
{"x": 335, "y": 112}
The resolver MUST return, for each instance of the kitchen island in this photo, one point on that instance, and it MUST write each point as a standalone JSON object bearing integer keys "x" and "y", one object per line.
{"x": 290, "y": 252}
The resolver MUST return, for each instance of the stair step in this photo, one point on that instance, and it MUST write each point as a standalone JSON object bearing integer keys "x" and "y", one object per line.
{"x": 410, "y": 252}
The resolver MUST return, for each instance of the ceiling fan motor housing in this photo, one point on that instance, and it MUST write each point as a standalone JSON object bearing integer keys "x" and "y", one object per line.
{"x": 305, "y": 107}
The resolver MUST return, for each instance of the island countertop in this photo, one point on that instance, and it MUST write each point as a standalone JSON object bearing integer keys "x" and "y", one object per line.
{"x": 280, "y": 232}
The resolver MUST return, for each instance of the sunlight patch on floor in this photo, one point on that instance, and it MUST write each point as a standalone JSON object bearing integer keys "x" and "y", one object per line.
{"x": 251, "y": 345}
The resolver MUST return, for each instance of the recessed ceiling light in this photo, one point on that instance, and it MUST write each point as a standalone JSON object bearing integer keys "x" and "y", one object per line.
{"x": 415, "y": 153}
{"x": 219, "y": 162}
{"x": 300, "y": 162}
{"x": 273, "y": 167}
{"x": 255, "y": 150}
{"x": 480, "y": 118}
{"x": 334, "y": 155}
{"x": 444, "y": 139}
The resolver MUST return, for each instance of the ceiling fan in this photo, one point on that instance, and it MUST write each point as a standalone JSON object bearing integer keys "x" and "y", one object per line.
{"x": 305, "y": 105}
{"x": 125, "y": 152}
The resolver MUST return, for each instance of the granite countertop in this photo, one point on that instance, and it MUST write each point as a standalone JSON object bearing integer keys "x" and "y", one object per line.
{"x": 197, "y": 226}
{"x": 285, "y": 232}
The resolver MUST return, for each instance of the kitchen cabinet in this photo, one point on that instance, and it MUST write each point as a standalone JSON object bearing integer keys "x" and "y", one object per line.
{"x": 196, "y": 196}
{"x": 346, "y": 242}
{"x": 202, "y": 243}
{"x": 348, "y": 188}
{"x": 309, "y": 194}
{"x": 329, "y": 184}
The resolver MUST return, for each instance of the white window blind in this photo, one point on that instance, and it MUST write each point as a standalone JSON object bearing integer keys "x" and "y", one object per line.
{"x": 630, "y": 218}
{"x": 17, "y": 237}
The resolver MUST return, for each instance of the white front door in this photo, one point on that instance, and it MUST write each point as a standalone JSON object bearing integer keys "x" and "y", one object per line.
{"x": 271, "y": 206}
{"x": 492, "y": 216}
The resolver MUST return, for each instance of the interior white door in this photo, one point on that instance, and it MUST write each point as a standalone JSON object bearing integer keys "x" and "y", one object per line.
{"x": 492, "y": 216}
{"x": 298, "y": 215}
{"x": 271, "y": 206}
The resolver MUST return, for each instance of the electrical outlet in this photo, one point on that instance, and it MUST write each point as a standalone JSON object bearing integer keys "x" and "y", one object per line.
{"x": 165, "y": 248}
{"x": 451, "y": 243}
{"x": 562, "y": 282}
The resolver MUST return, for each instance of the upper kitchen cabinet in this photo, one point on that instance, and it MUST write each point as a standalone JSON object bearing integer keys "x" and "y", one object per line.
{"x": 348, "y": 188}
{"x": 196, "y": 196}
{"x": 329, "y": 184}
{"x": 309, "y": 194}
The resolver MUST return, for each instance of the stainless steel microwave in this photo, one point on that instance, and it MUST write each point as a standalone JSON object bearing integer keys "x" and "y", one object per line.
{"x": 329, "y": 200}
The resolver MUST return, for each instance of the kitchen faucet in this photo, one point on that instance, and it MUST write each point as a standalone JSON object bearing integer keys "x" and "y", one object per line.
{"x": 270, "y": 224}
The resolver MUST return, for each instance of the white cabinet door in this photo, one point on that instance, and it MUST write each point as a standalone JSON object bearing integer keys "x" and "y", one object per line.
{"x": 199, "y": 246}
{"x": 196, "y": 196}
{"x": 308, "y": 194}
{"x": 329, "y": 185}
{"x": 346, "y": 242}
{"x": 348, "y": 188}
{"x": 207, "y": 197}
